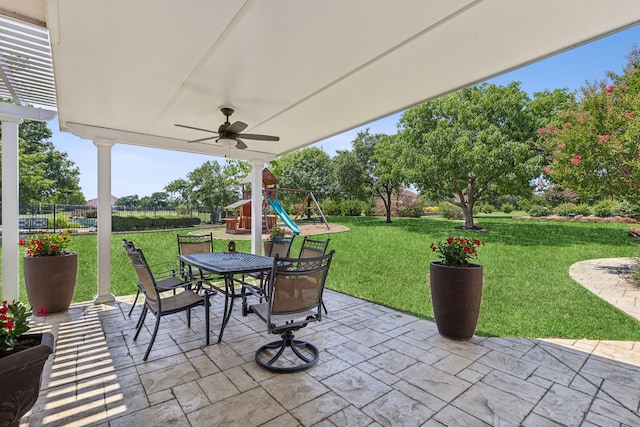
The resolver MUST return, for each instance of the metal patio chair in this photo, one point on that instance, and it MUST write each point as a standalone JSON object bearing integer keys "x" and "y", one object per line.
{"x": 190, "y": 296}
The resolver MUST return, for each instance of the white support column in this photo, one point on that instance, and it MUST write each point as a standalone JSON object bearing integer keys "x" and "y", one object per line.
{"x": 104, "y": 222}
{"x": 256, "y": 206}
{"x": 10, "y": 204}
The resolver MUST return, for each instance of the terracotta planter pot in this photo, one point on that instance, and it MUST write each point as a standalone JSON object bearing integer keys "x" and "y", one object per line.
{"x": 50, "y": 281}
{"x": 456, "y": 294}
{"x": 21, "y": 377}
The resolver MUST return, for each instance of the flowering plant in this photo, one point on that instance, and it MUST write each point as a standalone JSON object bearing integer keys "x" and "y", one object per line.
{"x": 13, "y": 323}
{"x": 277, "y": 231}
{"x": 456, "y": 250}
{"x": 47, "y": 244}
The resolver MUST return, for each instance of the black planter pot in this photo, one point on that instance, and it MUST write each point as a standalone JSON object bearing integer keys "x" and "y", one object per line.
{"x": 456, "y": 294}
{"x": 21, "y": 377}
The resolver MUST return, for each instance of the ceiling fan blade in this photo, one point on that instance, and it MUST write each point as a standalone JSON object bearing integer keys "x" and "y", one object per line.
{"x": 236, "y": 127}
{"x": 203, "y": 139}
{"x": 259, "y": 137}
{"x": 194, "y": 128}
{"x": 240, "y": 145}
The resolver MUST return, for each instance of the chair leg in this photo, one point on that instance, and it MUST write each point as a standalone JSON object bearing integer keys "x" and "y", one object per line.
{"x": 140, "y": 322}
{"x": 153, "y": 337}
{"x": 134, "y": 303}
{"x": 207, "y": 304}
{"x": 325, "y": 307}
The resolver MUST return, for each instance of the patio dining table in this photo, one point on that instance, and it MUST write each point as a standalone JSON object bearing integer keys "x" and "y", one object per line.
{"x": 228, "y": 265}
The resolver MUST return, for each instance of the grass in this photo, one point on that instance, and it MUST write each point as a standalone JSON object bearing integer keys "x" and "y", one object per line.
{"x": 527, "y": 288}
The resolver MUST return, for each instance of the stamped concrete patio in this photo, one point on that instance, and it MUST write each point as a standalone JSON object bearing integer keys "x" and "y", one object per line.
{"x": 377, "y": 367}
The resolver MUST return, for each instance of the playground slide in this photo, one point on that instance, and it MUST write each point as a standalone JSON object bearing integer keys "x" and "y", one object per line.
{"x": 284, "y": 216}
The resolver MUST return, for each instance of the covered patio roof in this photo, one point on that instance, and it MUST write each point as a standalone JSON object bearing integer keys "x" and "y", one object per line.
{"x": 129, "y": 71}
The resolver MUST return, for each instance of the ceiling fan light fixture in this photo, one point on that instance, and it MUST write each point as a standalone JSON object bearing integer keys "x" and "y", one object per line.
{"x": 227, "y": 142}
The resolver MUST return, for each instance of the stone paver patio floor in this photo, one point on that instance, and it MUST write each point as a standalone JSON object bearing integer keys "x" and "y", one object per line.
{"x": 377, "y": 367}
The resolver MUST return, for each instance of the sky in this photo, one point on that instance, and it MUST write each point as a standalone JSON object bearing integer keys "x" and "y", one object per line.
{"x": 571, "y": 69}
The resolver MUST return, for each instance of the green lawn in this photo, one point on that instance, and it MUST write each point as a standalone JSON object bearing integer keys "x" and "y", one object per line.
{"x": 527, "y": 288}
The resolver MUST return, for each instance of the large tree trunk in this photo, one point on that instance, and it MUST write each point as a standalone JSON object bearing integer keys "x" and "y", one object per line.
{"x": 467, "y": 209}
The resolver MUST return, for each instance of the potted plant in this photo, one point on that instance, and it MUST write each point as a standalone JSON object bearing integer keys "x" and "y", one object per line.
{"x": 49, "y": 271}
{"x": 456, "y": 287}
{"x": 22, "y": 359}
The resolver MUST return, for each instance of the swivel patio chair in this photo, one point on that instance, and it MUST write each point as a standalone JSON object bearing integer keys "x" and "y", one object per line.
{"x": 191, "y": 295}
{"x": 170, "y": 279}
{"x": 294, "y": 296}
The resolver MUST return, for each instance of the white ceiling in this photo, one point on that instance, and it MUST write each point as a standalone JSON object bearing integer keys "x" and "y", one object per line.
{"x": 302, "y": 70}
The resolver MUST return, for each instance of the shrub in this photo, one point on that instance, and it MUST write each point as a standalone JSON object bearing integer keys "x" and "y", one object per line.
{"x": 430, "y": 210}
{"x": 351, "y": 208}
{"x": 483, "y": 207}
{"x": 564, "y": 209}
{"x": 506, "y": 208}
{"x": 582, "y": 209}
{"x": 367, "y": 209}
{"x": 627, "y": 209}
{"x": 604, "y": 208}
{"x": 119, "y": 223}
{"x": 331, "y": 207}
{"x": 538, "y": 210}
{"x": 414, "y": 210}
{"x": 555, "y": 197}
{"x": 60, "y": 222}
{"x": 450, "y": 211}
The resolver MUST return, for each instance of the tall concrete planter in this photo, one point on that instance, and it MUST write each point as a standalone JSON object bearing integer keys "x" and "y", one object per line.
{"x": 456, "y": 294}
{"x": 50, "y": 281}
{"x": 21, "y": 377}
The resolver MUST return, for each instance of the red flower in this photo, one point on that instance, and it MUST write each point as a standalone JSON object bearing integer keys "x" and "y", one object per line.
{"x": 610, "y": 88}
{"x": 42, "y": 311}
{"x": 603, "y": 138}
{"x": 9, "y": 325}
{"x": 548, "y": 171}
{"x": 628, "y": 115}
{"x": 576, "y": 160}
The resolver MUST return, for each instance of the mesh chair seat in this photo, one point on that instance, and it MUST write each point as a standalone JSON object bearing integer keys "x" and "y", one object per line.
{"x": 177, "y": 302}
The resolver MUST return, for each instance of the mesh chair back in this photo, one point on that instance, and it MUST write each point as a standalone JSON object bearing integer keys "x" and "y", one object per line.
{"x": 195, "y": 244}
{"x": 313, "y": 248}
{"x": 281, "y": 246}
{"x": 145, "y": 277}
{"x": 296, "y": 288}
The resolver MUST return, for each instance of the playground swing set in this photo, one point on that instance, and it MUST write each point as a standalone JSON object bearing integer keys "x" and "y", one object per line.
{"x": 238, "y": 215}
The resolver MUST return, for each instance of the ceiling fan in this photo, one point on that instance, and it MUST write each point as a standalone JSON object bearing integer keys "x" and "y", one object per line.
{"x": 228, "y": 134}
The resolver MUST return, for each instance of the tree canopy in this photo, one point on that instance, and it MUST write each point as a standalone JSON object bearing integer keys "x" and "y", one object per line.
{"x": 594, "y": 147}
{"x": 46, "y": 175}
{"x": 459, "y": 146}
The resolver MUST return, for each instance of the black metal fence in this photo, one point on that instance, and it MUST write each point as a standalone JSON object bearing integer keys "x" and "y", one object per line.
{"x": 54, "y": 216}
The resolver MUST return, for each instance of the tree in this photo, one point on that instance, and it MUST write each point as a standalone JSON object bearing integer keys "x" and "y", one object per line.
{"x": 128, "y": 201}
{"x": 211, "y": 185}
{"x": 594, "y": 148}
{"x": 157, "y": 200}
{"x": 46, "y": 174}
{"x": 370, "y": 169}
{"x": 459, "y": 146}
{"x": 306, "y": 169}
{"x": 387, "y": 172}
